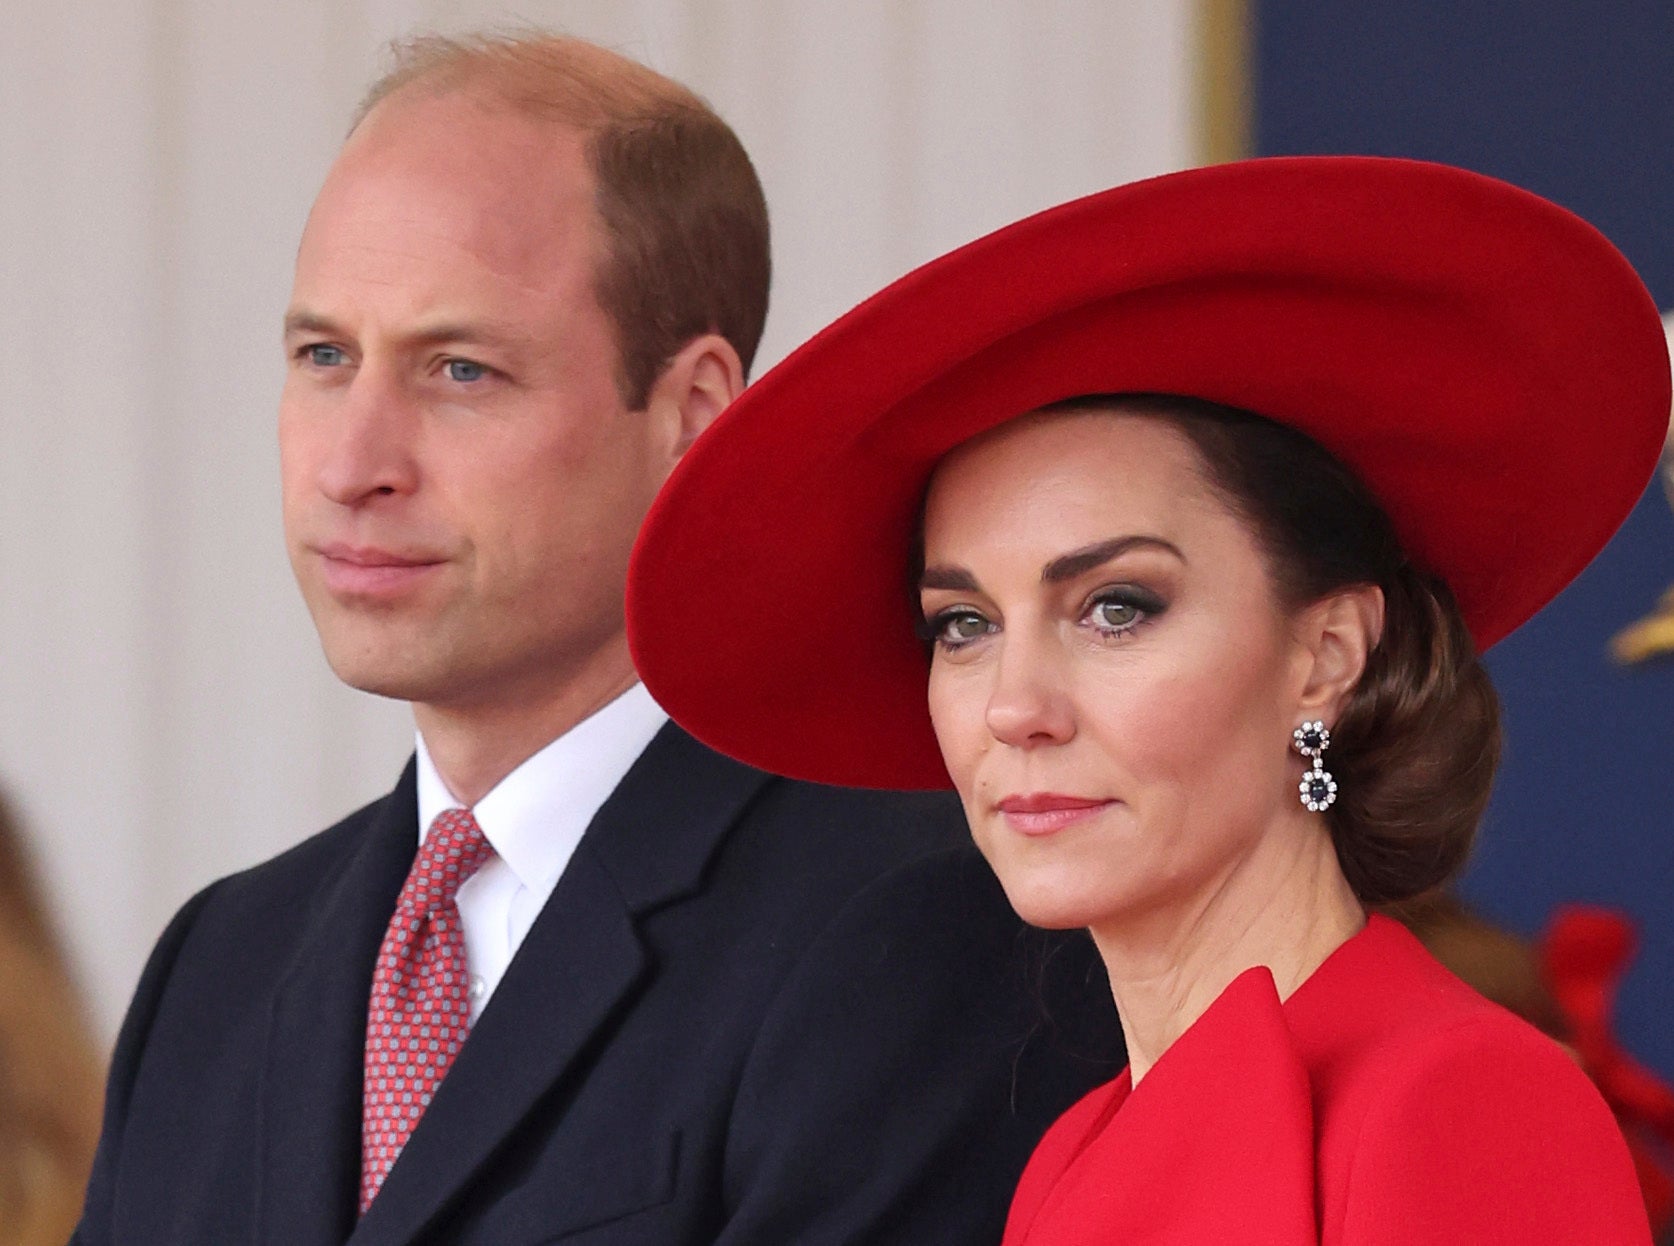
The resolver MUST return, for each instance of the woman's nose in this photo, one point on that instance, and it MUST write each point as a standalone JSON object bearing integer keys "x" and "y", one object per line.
{"x": 1029, "y": 704}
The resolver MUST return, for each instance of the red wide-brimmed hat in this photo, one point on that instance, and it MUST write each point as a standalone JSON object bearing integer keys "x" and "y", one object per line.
{"x": 1487, "y": 362}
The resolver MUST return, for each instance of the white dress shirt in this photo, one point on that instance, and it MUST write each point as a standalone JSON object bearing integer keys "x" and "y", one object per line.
{"x": 533, "y": 818}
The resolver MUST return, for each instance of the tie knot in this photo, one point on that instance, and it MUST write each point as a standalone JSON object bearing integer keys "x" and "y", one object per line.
{"x": 454, "y": 849}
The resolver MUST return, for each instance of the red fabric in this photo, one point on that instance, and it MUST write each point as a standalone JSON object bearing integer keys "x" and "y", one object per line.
{"x": 1584, "y": 954}
{"x": 1487, "y": 362}
{"x": 1383, "y": 1104}
{"x": 420, "y": 1010}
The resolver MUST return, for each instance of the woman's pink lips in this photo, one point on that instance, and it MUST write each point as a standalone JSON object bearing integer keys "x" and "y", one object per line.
{"x": 362, "y": 571}
{"x": 1042, "y": 813}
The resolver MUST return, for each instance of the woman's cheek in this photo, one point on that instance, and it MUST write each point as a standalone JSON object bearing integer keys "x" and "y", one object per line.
{"x": 958, "y": 715}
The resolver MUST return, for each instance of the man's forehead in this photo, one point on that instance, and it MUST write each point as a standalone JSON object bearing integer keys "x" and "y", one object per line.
{"x": 445, "y": 180}
{"x": 439, "y": 111}
{"x": 466, "y": 137}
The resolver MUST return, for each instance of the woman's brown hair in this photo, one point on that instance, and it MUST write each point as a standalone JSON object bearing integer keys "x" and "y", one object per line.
{"x": 50, "y": 1072}
{"x": 1415, "y": 749}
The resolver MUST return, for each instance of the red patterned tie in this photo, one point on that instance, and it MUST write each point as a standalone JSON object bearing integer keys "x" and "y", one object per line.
{"x": 420, "y": 1009}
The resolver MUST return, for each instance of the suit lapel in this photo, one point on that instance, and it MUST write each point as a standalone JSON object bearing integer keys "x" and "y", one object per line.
{"x": 578, "y": 967}
{"x": 311, "y": 1095}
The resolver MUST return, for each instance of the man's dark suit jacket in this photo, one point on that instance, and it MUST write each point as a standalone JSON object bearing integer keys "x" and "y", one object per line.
{"x": 754, "y": 1011}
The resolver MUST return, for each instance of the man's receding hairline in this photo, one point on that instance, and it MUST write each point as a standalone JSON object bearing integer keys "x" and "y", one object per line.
{"x": 555, "y": 77}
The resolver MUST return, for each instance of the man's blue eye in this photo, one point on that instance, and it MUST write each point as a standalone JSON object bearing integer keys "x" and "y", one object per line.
{"x": 325, "y": 356}
{"x": 465, "y": 371}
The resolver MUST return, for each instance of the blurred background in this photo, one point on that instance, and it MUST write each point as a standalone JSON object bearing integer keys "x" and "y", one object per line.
{"x": 165, "y": 715}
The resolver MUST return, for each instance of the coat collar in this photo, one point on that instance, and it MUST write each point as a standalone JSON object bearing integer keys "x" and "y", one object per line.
{"x": 579, "y": 965}
{"x": 1238, "y": 1052}
{"x": 311, "y": 1096}
{"x": 656, "y": 834}
{"x": 1246, "y": 1049}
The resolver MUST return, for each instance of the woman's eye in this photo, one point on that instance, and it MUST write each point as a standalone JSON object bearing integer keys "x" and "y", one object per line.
{"x": 465, "y": 371}
{"x": 954, "y": 629}
{"x": 1115, "y": 615}
{"x": 1116, "y": 612}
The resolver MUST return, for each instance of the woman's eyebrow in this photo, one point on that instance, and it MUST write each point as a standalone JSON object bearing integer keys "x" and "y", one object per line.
{"x": 1078, "y": 562}
{"x": 954, "y": 579}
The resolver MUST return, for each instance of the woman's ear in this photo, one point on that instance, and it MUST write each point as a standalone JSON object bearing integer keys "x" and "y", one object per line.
{"x": 1337, "y": 634}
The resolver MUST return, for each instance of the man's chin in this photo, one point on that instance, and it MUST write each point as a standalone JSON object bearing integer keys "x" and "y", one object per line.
{"x": 382, "y": 685}
{"x": 378, "y": 675}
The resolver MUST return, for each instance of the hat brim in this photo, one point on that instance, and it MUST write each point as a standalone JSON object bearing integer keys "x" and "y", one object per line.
{"x": 1487, "y": 362}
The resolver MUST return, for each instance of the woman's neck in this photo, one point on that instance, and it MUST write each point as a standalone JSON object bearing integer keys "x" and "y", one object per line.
{"x": 1287, "y": 906}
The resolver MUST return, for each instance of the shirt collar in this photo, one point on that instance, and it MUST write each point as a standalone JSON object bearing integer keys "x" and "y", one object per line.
{"x": 535, "y": 816}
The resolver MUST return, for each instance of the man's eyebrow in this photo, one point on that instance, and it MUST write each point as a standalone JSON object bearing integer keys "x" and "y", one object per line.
{"x": 302, "y": 321}
{"x": 954, "y": 579}
{"x": 493, "y": 332}
{"x": 1078, "y": 562}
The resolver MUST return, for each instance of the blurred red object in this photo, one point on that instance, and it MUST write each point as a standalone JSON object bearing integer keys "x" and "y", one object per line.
{"x": 1584, "y": 954}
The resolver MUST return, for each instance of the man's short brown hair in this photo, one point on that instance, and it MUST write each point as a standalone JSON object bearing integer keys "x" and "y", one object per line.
{"x": 682, "y": 208}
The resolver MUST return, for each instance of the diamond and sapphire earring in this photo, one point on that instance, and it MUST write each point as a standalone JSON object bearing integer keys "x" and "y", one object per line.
{"x": 1317, "y": 789}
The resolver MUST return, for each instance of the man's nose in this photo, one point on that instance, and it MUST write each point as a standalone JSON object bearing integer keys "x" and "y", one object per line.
{"x": 1029, "y": 704}
{"x": 372, "y": 441}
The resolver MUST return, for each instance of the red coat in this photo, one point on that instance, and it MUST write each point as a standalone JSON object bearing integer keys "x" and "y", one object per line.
{"x": 1384, "y": 1104}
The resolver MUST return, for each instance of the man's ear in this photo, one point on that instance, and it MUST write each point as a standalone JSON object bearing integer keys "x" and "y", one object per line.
{"x": 698, "y": 384}
{"x": 1337, "y": 635}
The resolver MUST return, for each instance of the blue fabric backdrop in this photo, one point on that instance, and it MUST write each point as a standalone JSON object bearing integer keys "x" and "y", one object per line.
{"x": 1576, "y": 102}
